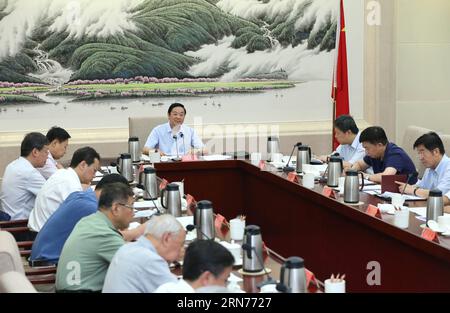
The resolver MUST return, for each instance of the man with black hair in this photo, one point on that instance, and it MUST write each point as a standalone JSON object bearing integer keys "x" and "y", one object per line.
{"x": 21, "y": 180}
{"x": 85, "y": 162}
{"x": 50, "y": 240}
{"x": 93, "y": 242}
{"x": 206, "y": 263}
{"x": 384, "y": 157}
{"x": 58, "y": 139}
{"x": 347, "y": 134}
{"x": 166, "y": 138}
{"x": 437, "y": 174}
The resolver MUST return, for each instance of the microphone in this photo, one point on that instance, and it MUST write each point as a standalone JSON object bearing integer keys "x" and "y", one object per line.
{"x": 322, "y": 178}
{"x": 184, "y": 145}
{"x": 154, "y": 203}
{"x": 191, "y": 227}
{"x": 176, "y": 145}
{"x": 247, "y": 247}
{"x": 287, "y": 168}
{"x": 410, "y": 175}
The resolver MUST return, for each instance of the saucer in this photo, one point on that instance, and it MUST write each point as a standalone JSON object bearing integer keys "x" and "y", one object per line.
{"x": 242, "y": 272}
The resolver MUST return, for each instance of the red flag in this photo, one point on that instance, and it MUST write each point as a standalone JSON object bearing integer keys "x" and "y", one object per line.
{"x": 340, "y": 74}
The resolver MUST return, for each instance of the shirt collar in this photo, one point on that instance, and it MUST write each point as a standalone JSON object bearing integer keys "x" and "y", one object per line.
{"x": 52, "y": 159}
{"x": 105, "y": 218}
{"x": 356, "y": 142}
{"x": 169, "y": 129}
{"x": 442, "y": 164}
{"x": 144, "y": 242}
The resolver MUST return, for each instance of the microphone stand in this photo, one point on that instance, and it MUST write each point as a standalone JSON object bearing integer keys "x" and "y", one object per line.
{"x": 177, "y": 159}
{"x": 191, "y": 227}
{"x": 410, "y": 175}
{"x": 153, "y": 201}
{"x": 287, "y": 168}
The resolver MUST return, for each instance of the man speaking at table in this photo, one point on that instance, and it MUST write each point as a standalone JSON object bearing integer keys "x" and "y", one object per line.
{"x": 174, "y": 138}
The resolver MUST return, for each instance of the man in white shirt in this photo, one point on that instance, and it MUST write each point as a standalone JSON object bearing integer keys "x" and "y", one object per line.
{"x": 143, "y": 266}
{"x": 431, "y": 151}
{"x": 58, "y": 139}
{"x": 174, "y": 138}
{"x": 347, "y": 134}
{"x": 22, "y": 181}
{"x": 85, "y": 162}
{"x": 206, "y": 263}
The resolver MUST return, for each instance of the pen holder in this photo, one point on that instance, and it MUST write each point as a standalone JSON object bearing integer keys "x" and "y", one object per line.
{"x": 334, "y": 287}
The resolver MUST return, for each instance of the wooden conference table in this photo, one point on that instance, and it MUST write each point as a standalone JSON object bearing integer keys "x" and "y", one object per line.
{"x": 331, "y": 236}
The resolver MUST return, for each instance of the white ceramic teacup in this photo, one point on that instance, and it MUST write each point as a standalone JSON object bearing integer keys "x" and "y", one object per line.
{"x": 277, "y": 157}
{"x": 237, "y": 227}
{"x": 181, "y": 187}
{"x": 401, "y": 218}
{"x": 444, "y": 222}
{"x": 255, "y": 157}
{"x": 334, "y": 287}
{"x": 308, "y": 180}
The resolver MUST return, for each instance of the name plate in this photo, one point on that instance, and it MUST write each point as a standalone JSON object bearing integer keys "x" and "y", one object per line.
{"x": 262, "y": 165}
{"x": 292, "y": 177}
{"x": 373, "y": 211}
{"x": 329, "y": 192}
{"x": 430, "y": 235}
{"x": 310, "y": 278}
{"x": 189, "y": 157}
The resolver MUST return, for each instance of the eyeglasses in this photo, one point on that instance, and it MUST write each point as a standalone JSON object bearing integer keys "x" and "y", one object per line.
{"x": 127, "y": 206}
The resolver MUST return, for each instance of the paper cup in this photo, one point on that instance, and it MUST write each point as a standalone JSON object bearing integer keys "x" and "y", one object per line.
{"x": 401, "y": 218}
{"x": 334, "y": 287}
{"x": 308, "y": 180}
{"x": 237, "y": 227}
{"x": 234, "y": 249}
{"x": 180, "y": 186}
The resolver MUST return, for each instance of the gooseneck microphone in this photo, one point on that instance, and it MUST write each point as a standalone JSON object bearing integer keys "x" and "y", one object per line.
{"x": 191, "y": 227}
{"x": 410, "y": 175}
{"x": 175, "y": 137}
{"x": 287, "y": 168}
{"x": 154, "y": 203}
{"x": 184, "y": 145}
{"x": 323, "y": 178}
{"x": 247, "y": 247}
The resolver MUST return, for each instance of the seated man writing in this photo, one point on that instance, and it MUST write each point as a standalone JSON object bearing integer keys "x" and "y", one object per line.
{"x": 386, "y": 158}
{"x": 437, "y": 174}
{"x": 174, "y": 138}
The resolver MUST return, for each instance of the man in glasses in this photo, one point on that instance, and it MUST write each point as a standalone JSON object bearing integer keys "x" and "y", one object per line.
{"x": 93, "y": 242}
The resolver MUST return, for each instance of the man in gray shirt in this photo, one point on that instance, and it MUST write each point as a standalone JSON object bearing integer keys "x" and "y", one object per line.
{"x": 142, "y": 266}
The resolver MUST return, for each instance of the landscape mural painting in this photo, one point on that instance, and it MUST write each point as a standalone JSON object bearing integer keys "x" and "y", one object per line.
{"x": 93, "y": 63}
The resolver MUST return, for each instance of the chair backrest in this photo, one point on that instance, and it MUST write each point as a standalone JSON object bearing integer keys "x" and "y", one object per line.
{"x": 10, "y": 259}
{"x": 411, "y": 135}
{"x": 141, "y": 127}
{"x": 446, "y": 142}
{"x": 15, "y": 282}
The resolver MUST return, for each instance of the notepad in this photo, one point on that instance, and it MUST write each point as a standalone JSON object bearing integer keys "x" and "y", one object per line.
{"x": 388, "y": 182}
